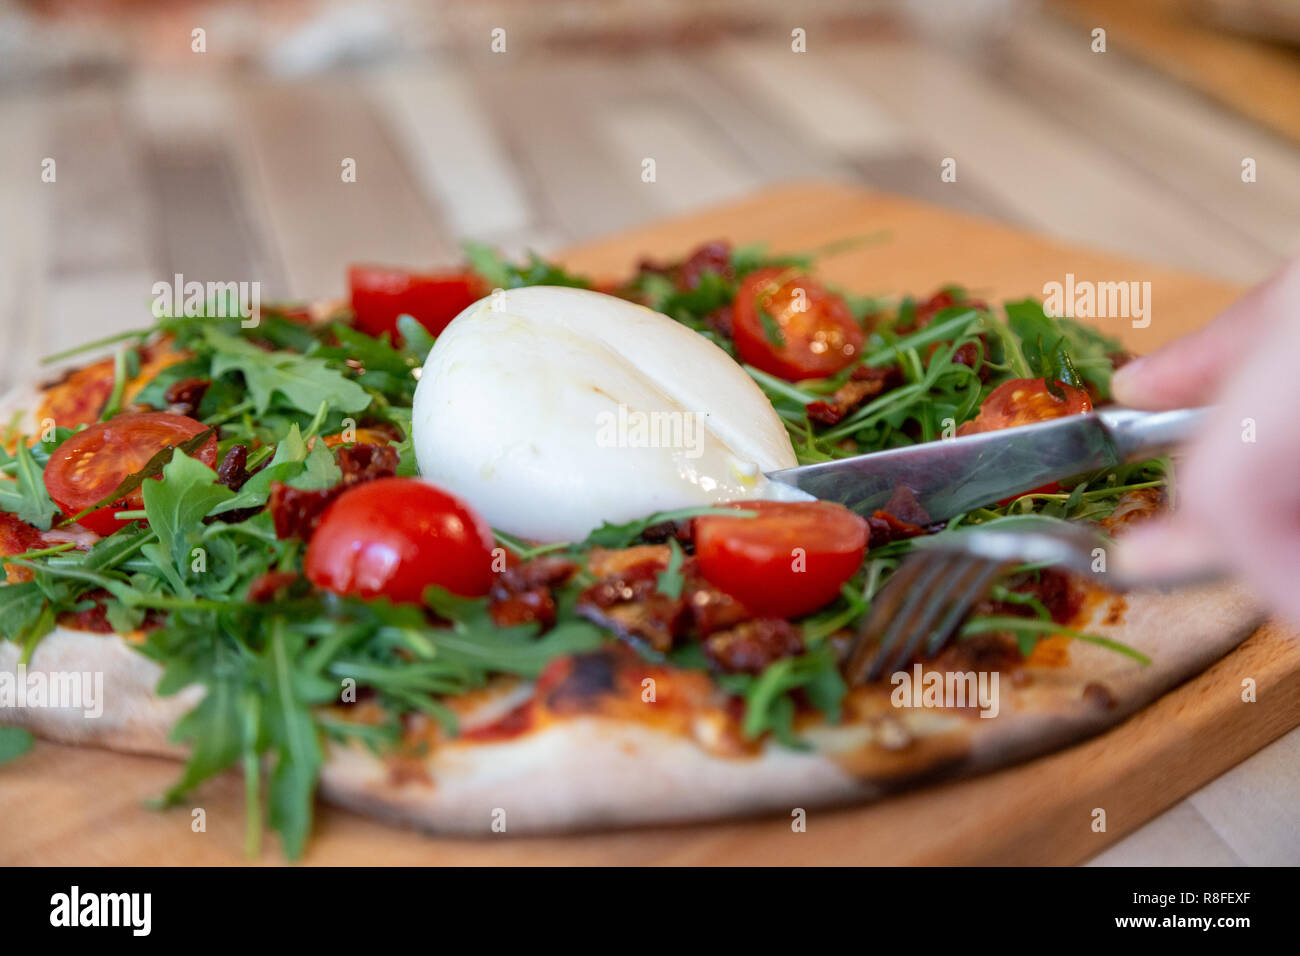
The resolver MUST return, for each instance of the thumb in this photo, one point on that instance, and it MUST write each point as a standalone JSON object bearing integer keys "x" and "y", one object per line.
{"x": 1190, "y": 370}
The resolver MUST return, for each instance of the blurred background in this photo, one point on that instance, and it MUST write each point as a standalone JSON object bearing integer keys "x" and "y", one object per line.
{"x": 207, "y": 138}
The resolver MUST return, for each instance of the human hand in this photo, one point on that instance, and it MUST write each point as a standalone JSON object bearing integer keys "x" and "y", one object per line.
{"x": 1237, "y": 494}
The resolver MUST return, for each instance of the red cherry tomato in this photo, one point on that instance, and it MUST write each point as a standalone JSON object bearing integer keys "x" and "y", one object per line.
{"x": 1023, "y": 401}
{"x": 90, "y": 464}
{"x": 380, "y": 295}
{"x": 756, "y": 562}
{"x": 396, "y": 536}
{"x": 790, "y": 326}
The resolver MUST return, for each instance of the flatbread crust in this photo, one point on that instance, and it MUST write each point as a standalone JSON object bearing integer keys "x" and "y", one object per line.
{"x": 133, "y": 719}
{"x": 590, "y": 771}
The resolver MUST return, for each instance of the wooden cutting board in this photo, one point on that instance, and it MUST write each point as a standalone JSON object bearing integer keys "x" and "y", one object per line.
{"x": 61, "y": 805}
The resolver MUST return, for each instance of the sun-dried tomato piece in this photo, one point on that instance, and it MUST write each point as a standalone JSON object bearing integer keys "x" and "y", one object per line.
{"x": 750, "y": 647}
{"x": 1053, "y": 588}
{"x": 360, "y": 463}
{"x": 711, "y": 609}
{"x": 93, "y": 618}
{"x": 233, "y": 470}
{"x": 184, "y": 397}
{"x": 927, "y": 310}
{"x": 630, "y": 605}
{"x": 523, "y": 594}
{"x": 864, "y": 382}
{"x": 904, "y": 506}
{"x": 885, "y": 528}
{"x": 712, "y": 256}
{"x": 297, "y": 511}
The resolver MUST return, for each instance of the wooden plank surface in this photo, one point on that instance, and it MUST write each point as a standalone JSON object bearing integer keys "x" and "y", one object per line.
{"x": 1252, "y": 75}
{"x": 62, "y": 805}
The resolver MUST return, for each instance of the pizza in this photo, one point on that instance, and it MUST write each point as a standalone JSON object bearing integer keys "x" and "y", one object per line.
{"x": 494, "y": 549}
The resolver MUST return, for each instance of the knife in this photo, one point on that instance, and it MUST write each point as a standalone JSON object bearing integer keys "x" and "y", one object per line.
{"x": 951, "y": 476}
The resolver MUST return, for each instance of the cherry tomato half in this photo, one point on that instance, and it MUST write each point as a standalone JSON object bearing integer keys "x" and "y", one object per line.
{"x": 755, "y": 559}
{"x": 380, "y": 295}
{"x": 1023, "y": 401}
{"x": 790, "y": 326}
{"x": 396, "y": 536}
{"x": 90, "y": 464}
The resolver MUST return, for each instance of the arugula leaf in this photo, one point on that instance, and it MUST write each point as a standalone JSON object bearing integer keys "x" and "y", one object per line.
{"x": 214, "y": 728}
{"x": 177, "y": 505}
{"x": 507, "y": 652}
{"x": 113, "y": 339}
{"x": 1055, "y": 348}
{"x": 771, "y": 328}
{"x": 503, "y": 274}
{"x": 304, "y": 382}
{"x": 768, "y": 705}
{"x": 691, "y": 306}
{"x": 21, "y": 605}
{"x": 669, "y": 581}
{"x": 416, "y": 338}
{"x": 1012, "y": 522}
{"x": 474, "y": 641}
{"x": 752, "y": 256}
{"x": 250, "y": 709}
{"x": 26, "y": 496}
{"x": 123, "y": 619}
{"x": 948, "y": 324}
{"x": 321, "y": 470}
{"x": 123, "y": 370}
{"x": 378, "y": 365}
{"x": 1060, "y": 367}
{"x": 14, "y": 742}
{"x": 294, "y": 738}
{"x": 654, "y": 290}
{"x": 1028, "y": 631}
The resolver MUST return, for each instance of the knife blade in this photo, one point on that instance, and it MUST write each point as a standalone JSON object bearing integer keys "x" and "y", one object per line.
{"x": 951, "y": 476}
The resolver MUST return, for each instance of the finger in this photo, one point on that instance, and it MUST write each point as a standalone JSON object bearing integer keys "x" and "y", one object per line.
{"x": 1169, "y": 551}
{"x": 1176, "y": 550}
{"x": 1186, "y": 372}
{"x": 1269, "y": 567}
{"x": 1190, "y": 370}
{"x": 1238, "y": 502}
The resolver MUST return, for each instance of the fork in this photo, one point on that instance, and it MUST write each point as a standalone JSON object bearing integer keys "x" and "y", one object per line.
{"x": 923, "y": 604}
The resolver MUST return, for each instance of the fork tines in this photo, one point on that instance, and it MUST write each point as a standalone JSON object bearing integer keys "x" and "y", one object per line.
{"x": 919, "y": 609}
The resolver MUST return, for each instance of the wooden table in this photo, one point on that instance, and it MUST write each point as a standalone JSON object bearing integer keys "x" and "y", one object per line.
{"x": 62, "y": 805}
